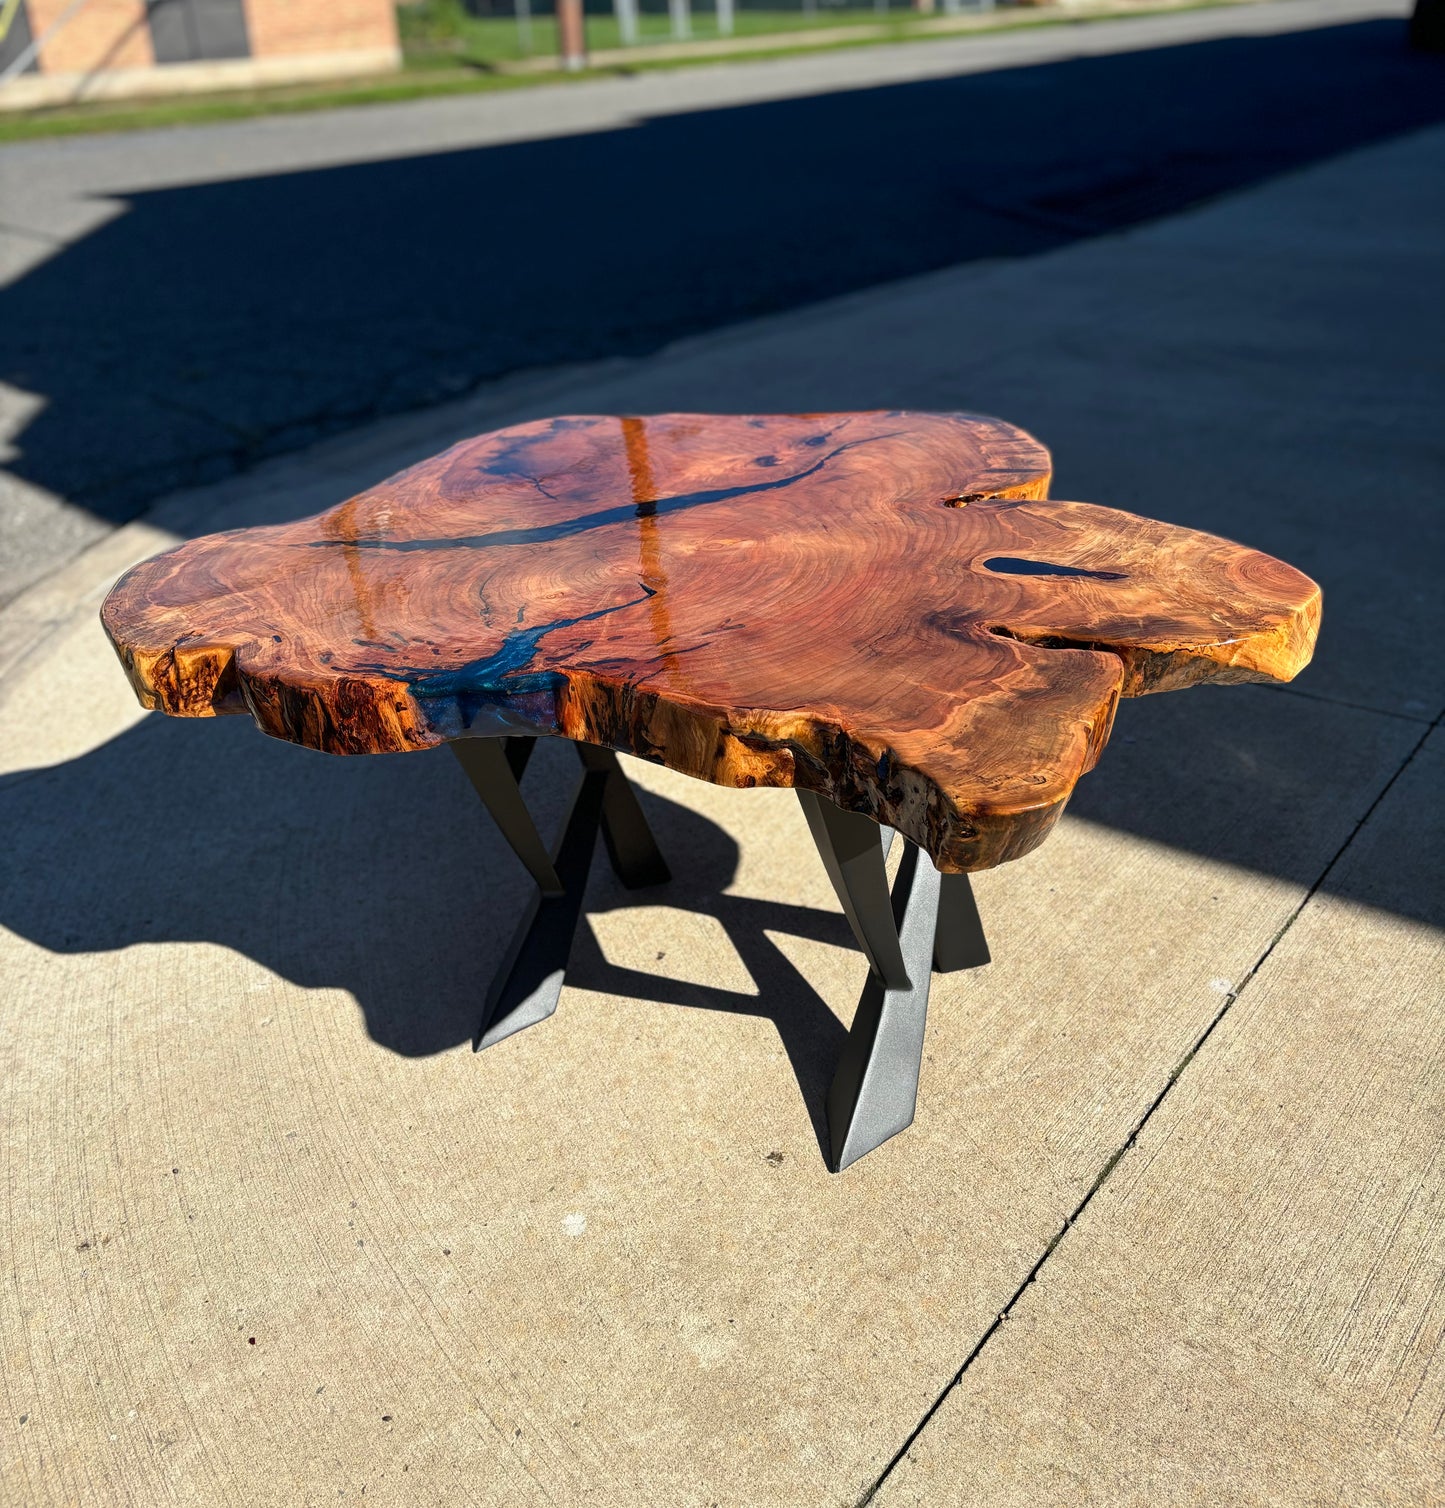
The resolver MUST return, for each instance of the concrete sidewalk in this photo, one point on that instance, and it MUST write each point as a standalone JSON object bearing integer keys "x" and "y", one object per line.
{"x": 1170, "y": 1224}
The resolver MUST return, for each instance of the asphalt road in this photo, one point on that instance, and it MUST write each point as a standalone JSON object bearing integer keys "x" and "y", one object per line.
{"x": 181, "y": 304}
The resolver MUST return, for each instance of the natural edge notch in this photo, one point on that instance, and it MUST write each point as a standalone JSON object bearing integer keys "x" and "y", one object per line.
{"x": 749, "y": 600}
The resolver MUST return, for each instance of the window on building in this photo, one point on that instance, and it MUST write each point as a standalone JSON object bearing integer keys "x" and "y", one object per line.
{"x": 194, "y": 31}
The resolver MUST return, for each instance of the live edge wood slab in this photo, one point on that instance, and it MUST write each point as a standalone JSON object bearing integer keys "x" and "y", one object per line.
{"x": 883, "y": 608}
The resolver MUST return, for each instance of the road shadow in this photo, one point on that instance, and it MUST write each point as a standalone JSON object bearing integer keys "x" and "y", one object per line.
{"x": 211, "y": 325}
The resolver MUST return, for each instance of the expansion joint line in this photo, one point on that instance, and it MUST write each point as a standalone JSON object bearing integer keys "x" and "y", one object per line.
{"x": 1144, "y": 1119}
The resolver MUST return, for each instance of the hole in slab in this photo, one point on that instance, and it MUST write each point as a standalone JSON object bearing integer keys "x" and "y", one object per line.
{"x": 1010, "y": 565}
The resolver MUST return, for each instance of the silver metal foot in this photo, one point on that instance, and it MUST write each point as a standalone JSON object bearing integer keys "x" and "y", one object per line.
{"x": 875, "y": 1088}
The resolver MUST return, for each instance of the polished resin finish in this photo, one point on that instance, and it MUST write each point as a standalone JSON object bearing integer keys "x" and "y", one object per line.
{"x": 880, "y": 607}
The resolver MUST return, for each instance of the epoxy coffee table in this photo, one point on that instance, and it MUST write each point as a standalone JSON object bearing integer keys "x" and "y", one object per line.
{"x": 882, "y": 610}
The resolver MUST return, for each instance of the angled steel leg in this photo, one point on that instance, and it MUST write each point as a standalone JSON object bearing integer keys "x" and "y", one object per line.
{"x": 631, "y": 848}
{"x": 493, "y": 766}
{"x": 875, "y": 1088}
{"x": 519, "y": 753}
{"x": 959, "y": 943}
{"x": 848, "y": 844}
{"x": 528, "y": 984}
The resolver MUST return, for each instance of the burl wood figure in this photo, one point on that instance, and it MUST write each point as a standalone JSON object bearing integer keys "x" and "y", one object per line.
{"x": 883, "y": 610}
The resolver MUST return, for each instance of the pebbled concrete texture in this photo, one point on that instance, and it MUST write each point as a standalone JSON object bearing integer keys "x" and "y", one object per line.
{"x": 273, "y": 1234}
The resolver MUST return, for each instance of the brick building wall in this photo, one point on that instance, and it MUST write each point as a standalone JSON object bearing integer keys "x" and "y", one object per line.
{"x": 280, "y": 27}
{"x": 106, "y": 34}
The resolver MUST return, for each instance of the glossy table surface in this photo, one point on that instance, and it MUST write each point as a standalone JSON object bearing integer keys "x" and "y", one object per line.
{"x": 884, "y": 608}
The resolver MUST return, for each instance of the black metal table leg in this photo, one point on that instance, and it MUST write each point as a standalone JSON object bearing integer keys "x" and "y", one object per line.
{"x": 959, "y": 942}
{"x": 631, "y": 848}
{"x": 494, "y": 769}
{"x": 875, "y": 1088}
{"x": 928, "y": 920}
{"x": 528, "y": 984}
{"x": 850, "y": 848}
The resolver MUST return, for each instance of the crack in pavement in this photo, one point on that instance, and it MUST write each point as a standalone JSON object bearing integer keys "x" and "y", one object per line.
{"x": 1174, "y": 1076}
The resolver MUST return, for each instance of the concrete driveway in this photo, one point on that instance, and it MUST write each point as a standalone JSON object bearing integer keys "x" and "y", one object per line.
{"x": 1170, "y": 1224}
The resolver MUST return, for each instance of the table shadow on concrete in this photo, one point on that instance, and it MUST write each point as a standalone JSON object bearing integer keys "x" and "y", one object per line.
{"x": 380, "y": 876}
{"x": 383, "y": 876}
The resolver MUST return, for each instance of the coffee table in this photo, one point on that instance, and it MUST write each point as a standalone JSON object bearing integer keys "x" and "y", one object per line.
{"x": 882, "y": 610}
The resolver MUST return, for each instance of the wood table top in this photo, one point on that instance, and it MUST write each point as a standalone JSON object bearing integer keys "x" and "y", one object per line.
{"x": 880, "y": 607}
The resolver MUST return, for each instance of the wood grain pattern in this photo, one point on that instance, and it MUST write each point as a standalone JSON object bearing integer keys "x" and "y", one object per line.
{"x": 881, "y": 607}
